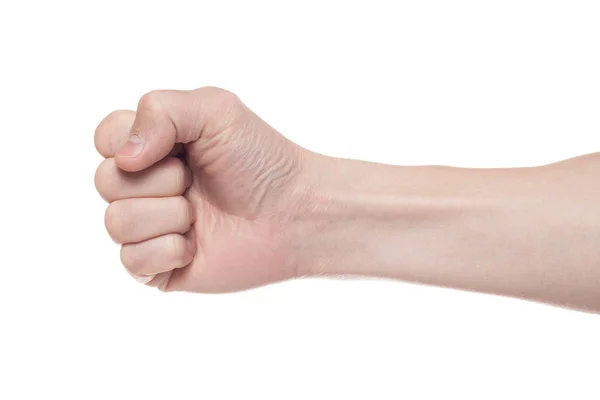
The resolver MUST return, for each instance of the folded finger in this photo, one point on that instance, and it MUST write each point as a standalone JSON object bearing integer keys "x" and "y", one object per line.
{"x": 160, "y": 254}
{"x": 169, "y": 177}
{"x": 136, "y": 220}
{"x": 114, "y": 130}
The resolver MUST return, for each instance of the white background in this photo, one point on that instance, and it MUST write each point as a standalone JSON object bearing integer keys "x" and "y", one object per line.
{"x": 470, "y": 83}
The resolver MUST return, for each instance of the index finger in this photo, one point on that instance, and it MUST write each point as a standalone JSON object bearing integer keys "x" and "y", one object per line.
{"x": 113, "y": 131}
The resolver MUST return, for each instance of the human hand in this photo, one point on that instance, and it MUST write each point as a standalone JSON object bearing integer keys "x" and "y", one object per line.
{"x": 207, "y": 197}
{"x": 204, "y": 194}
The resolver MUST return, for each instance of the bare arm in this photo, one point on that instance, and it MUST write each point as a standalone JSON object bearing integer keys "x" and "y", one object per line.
{"x": 526, "y": 232}
{"x": 241, "y": 206}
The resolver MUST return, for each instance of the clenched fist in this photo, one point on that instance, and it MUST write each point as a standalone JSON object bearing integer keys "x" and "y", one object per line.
{"x": 203, "y": 193}
{"x": 206, "y": 197}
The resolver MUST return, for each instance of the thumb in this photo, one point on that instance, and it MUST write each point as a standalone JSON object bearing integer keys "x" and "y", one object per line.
{"x": 167, "y": 117}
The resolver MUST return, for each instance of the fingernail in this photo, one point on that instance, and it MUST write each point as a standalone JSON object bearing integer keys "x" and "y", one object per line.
{"x": 133, "y": 147}
{"x": 142, "y": 278}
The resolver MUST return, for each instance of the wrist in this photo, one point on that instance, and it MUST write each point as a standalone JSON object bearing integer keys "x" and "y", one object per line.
{"x": 356, "y": 207}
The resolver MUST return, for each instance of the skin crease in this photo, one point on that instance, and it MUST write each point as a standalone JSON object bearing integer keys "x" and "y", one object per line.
{"x": 216, "y": 200}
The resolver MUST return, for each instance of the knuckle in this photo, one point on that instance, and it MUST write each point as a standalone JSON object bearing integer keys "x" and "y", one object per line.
{"x": 221, "y": 96}
{"x": 223, "y": 109}
{"x": 151, "y": 101}
{"x": 104, "y": 129}
{"x": 114, "y": 220}
{"x": 227, "y": 97}
{"x": 105, "y": 179}
{"x": 113, "y": 117}
{"x": 129, "y": 258}
{"x": 110, "y": 220}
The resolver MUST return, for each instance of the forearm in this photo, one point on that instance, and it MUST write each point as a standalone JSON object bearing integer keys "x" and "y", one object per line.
{"x": 525, "y": 232}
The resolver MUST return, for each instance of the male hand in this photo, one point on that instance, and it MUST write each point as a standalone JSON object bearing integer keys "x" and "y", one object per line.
{"x": 203, "y": 193}
{"x": 206, "y": 197}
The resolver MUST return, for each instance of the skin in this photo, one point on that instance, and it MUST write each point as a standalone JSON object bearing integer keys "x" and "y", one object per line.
{"x": 206, "y": 197}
